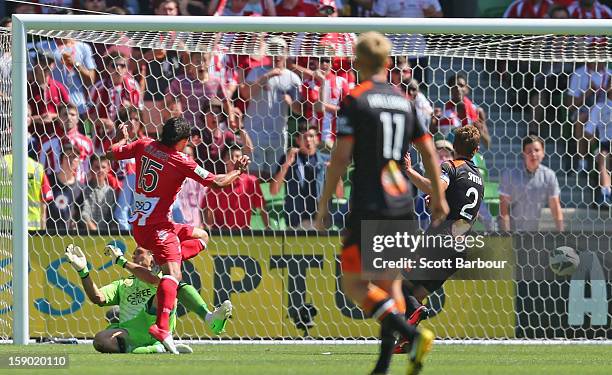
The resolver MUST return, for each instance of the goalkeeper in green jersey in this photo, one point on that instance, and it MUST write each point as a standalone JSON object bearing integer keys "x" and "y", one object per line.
{"x": 135, "y": 296}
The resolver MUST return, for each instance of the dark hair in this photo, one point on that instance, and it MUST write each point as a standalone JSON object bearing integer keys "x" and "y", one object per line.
{"x": 532, "y": 139}
{"x": 45, "y": 60}
{"x": 467, "y": 140}
{"x": 68, "y": 149}
{"x": 97, "y": 158}
{"x": 66, "y": 107}
{"x": 175, "y": 130}
{"x": 556, "y": 8}
{"x": 112, "y": 56}
{"x": 303, "y": 126}
{"x": 158, "y": 3}
{"x": 124, "y": 114}
{"x": 452, "y": 80}
{"x": 229, "y": 148}
{"x": 5, "y": 21}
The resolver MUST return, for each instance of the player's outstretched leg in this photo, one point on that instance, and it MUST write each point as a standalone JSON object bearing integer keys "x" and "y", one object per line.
{"x": 220, "y": 316}
{"x": 166, "y": 299}
{"x": 415, "y": 310}
{"x": 378, "y": 303}
{"x": 164, "y": 337}
{"x": 150, "y": 349}
{"x": 191, "y": 299}
{"x": 193, "y": 240}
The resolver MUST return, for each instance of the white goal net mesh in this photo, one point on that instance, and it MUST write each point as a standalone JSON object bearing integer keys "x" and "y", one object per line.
{"x": 283, "y": 279}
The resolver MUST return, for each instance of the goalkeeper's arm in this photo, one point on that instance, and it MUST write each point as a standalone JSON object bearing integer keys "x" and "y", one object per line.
{"x": 79, "y": 263}
{"x": 141, "y": 272}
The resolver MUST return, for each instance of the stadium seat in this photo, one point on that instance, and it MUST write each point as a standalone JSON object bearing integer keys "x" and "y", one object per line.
{"x": 479, "y": 162}
{"x": 256, "y": 221}
{"x": 493, "y": 8}
{"x": 274, "y": 205}
{"x": 491, "y": 197}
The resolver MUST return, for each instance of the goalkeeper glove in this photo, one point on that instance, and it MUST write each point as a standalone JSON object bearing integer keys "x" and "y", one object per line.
{"x": 117, "y": 255}
{"x": 77, "y": 260}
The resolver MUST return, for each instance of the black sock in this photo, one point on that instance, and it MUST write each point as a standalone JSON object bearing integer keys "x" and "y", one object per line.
{"x": 387, "y": 343}
{"x": 397, "y": 323}
{"x": 412, "y": 304}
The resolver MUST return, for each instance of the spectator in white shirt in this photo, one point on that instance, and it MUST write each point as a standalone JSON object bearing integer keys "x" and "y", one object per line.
{"x": 588, "y": 86}
{"x": 600, "y": 125}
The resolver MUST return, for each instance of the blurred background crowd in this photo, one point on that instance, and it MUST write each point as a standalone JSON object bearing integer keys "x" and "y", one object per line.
{"x": 281, "y": 111}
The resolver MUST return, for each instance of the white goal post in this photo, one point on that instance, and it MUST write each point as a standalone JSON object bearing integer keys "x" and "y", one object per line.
{"x": 22, "y": 24}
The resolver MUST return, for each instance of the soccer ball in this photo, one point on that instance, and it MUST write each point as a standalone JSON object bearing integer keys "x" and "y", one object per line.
{"x": 564, "y": 261}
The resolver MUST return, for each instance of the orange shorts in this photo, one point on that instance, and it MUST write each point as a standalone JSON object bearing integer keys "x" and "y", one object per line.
{"x": 350, "y": 259}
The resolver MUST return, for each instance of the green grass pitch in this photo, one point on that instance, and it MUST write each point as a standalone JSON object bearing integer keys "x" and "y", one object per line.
{"x": 246, "y": 359}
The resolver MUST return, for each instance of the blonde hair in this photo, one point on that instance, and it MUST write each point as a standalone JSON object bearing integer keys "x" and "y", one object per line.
{"x": 372, "y": 51}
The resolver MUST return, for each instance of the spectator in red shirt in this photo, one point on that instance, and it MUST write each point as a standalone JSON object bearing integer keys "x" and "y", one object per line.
{"x": 110, "y": 94}
{"x": 69, "y": 135}
{"x": 589, "y": 9}
{"x": 341, "y": 43}
{"x": 231, "y": 207}
{"x": 45, "y": 96}
{"x": 297, "y": 8}
{"x": 460, "y": 110}
{"x": 324, "y": 93}
{"x": 528, "y": 9}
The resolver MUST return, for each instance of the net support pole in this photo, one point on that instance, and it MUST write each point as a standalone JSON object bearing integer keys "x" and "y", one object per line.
{"x": 20, "y": 193}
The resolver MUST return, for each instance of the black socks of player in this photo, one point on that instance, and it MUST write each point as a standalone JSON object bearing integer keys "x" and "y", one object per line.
{"x": 398, "y": 324}
{"x": 387, "y": 343}
{"x": 390, "y": 325}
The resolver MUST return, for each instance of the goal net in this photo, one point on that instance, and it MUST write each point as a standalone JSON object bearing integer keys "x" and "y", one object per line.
{"x": 275, "y": 95}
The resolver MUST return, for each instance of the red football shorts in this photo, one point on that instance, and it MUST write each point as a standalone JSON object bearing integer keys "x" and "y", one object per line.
{"x": 163, "y": 240}
{"x": 183, "y": 231}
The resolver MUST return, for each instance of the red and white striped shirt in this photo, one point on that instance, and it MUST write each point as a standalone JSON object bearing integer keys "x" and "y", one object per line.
{"x": 343, "y": 45}
{"x": 52, "y": 149}
{"x": 528, "y": 9}
{"x": 222, "y": 66}
{"x": 108, "y": 98}
{"x": 336, "y": 89}
{"x": 597, "y": 11}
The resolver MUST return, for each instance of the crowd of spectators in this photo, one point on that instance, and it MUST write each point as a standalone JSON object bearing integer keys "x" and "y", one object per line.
{"x": 279, "y": 110}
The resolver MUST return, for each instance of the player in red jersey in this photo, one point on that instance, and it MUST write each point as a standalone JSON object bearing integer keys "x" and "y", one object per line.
{"x": 161, "y": 168}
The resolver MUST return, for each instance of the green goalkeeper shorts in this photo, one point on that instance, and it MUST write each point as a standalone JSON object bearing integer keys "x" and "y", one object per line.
{"x": 138, "y": 328}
